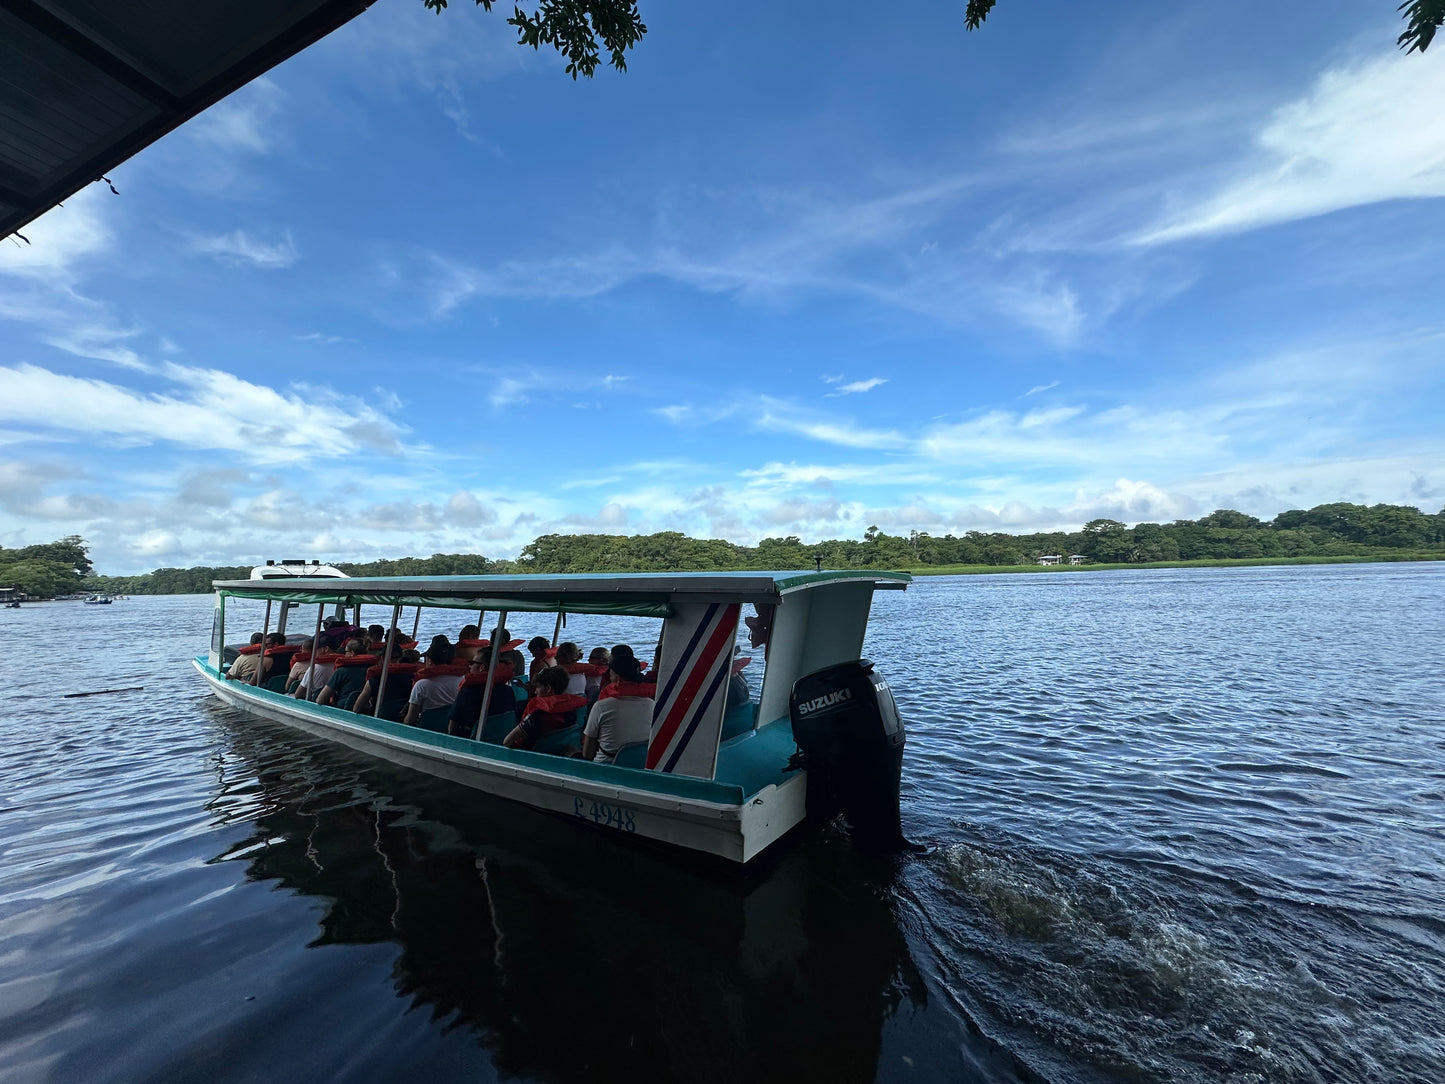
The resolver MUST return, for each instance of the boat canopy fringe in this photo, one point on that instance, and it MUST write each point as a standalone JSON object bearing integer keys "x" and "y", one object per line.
{"x": 514, "y": 604}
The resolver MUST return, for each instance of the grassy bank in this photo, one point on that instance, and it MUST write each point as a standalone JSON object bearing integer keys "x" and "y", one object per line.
{"x": 1231, "y": 562}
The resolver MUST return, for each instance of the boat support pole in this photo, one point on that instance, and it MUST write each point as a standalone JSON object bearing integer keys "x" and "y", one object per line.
{"x": 416, "y": 624}
{"x": 491, "y": 673}
{"x": 481, "y": 623}
{"x": 386, "y": 659}
{"x": 261, "y": 661}
{"x": 315, "y": 650}
{"x": 557, "y": 628}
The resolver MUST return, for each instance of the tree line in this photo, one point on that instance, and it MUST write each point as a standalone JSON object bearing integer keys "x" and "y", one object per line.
{"x": 1327, "y": 530}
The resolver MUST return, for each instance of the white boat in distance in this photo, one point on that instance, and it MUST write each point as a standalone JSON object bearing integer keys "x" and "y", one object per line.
{"x": 823, "y": 737}
{"x": 295, "y": 570}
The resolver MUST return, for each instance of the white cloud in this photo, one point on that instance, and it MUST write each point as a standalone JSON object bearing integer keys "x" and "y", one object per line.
{"x": 857, "y": 387}
{"x": 777, "y": 418}
{"x": 204, "y": 408}
{"x": 1040, "y": 387}
{"x": 60, "y": 239}
{"x": 1365, "y": 132}
{"x": 240, "y": 248}
{"x": 242, "y": 121}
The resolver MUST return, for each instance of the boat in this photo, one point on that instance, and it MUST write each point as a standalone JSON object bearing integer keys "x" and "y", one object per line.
{"x": 295, "y": 569}
{"x": 726, "y": 779}
{"x": 98, "y": 600}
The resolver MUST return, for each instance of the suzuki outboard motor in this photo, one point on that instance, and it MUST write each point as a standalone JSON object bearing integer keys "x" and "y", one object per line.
{"x": 850, "y": 741}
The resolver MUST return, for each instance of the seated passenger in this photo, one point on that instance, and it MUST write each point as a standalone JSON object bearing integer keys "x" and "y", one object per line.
{"x": 394, "y": 684}
{"x": 467, "y": 708}
{"x": 468, "y": 643}
{"x": 437, "y": 684}
{"x": 244, "y": 668}
{"x": 346, "y": 682}
{"x": 622, "y": 714}
{"x": 299, "y": 662}
{"x": 519, "y": 674}
{"x": 600, "y": 660}
{"x": 550, "y": 709}
{"x": 537, "y": 647}
{"x": 569, "y": 658}
{"x": 375, "y": 635}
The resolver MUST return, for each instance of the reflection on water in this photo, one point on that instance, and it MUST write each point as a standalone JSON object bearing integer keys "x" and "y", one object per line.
{"x": 583, "y": 957}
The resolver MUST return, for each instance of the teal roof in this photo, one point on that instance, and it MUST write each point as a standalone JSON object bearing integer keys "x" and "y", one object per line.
{"x": 648, "y": 594}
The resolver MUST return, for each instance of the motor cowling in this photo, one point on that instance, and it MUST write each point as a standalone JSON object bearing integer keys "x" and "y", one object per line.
{"x": 850, "y": 740}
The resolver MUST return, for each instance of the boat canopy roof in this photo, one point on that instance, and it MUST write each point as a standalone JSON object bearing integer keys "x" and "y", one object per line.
{"x": 642, "y": 594}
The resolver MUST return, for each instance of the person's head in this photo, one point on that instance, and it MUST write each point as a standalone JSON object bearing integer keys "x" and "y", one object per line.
{"x": 440, "y": 652}
{"x": 275, "y": 639}
{"x": 256, "y": 638}
{"x": 478, "y": 664}
{"x": 625, "y": 668}
{"x": 307, "y": 644}
{"x": 552, "y": 681}
{"x": 353, "y": 646}
{"x": 568, "y": 652}
{"x": 499, "y": 635}
{"x": 623, "y": 649}
{"x": 376, "y": 632}
{"x": 411, "y": 654}
{"x": 599, "y": 657}
{"x": 515, "y": 661}
{"x": 396, "y": 651}
{"x": 537, "y": 645}
{"x": 469, "y": 632}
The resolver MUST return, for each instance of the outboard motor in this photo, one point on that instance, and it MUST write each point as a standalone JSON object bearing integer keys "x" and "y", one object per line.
{"x": 850, "y": 741}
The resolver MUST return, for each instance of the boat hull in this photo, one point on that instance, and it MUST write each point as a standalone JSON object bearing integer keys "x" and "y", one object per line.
{"x": 697, "y": 814}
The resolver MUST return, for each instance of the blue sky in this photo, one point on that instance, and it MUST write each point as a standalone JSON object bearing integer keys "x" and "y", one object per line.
{"x": 800, "y": 270}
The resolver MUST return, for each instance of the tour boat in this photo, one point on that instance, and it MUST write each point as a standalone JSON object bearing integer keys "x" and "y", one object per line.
{"x": 719, "y": 773}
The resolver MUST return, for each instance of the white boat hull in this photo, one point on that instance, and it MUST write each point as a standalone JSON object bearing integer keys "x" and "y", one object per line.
{"x": 599, "y": 794}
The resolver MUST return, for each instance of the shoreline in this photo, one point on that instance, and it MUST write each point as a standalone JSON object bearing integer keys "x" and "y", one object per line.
{"x": 1203, "y": 562}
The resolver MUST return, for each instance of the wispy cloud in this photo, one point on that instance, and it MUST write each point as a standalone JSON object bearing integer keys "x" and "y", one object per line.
{"x": 1366, "y": 132}
{"x": 857, "y": 387}
{"x": 1040, "y": 387}
{"x": 240, "y": 247}
{"x": 242, "y": 121}
{"x": 323, "y": 340}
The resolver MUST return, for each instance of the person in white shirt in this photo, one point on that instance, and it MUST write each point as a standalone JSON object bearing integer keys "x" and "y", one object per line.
{"x": 438, "y": 690}
{"x": 622, "y": 714}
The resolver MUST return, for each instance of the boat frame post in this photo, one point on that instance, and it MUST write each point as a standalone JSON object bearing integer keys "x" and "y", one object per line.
{"x": 416, "y": 624}
{"x": 265, "y": 628}
{"x": 386, "y": 659}
{"x": 557, "y": 628}
{"x": 481, "y": 623}
{"x": 491, "y": 673}
{"x": 315, "y": 648}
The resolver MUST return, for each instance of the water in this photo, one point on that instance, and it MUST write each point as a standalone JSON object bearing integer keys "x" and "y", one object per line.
{"x": 1185, "y": 825}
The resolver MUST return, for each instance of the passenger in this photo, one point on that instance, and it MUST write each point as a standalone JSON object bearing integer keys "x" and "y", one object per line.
{"x": 600, "y": 660}
{"x": 537, "y": 646}
{"x": 468, "y": 643}
{"x": 438, "y": 689}
{"x": 299, "y": 662}
{"x": 622, "y": 714}
{"x": 397, "y": 685}
{"x": 244, "y": 668}
{"x": 500, "y": 635}
{"x": 376, "y": 634}
{"x": 519, "y": 670}
{"x": 550, "y": 709}
{"x": 569, "y": 658}
{"x": 315, "y": 677}
{"x": 335, "y": 633}
{"x": 467, "y": 708}
{"x": 346, "y": 682}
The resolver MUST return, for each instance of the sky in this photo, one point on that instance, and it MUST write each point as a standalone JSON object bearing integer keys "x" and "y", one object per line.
{"x": 800, "y": 270}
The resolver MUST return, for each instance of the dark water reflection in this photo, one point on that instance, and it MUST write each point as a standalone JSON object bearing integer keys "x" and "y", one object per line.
{"x": 1185, "y": 826}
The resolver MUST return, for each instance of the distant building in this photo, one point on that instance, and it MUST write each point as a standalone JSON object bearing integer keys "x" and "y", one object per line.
{"x": 1078, "y": 558}
{"x": 11, "y": 594}
{"x": 1053, "y": 559}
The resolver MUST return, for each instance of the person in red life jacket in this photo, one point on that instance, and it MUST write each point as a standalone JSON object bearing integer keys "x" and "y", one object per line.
{"x": 299, "y": 663}
{"x": 346, "y": 682}
{"x": 550, "y": 708}
{"x": 244, "y": 668}
{"x": 537, "y": 647}
{"x": 398, "y": 682}
{"x": 622, "y": 714}
{"x": 569, "y": 658}
{"x": 519, "y": 676}
{"x": 467, "y": 643}
{"x": 437, "y": 689}
{"x": 600, "y": 659}
{"x": 467, "y": 707}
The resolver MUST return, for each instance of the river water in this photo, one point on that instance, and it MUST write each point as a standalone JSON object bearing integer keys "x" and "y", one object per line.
{"x": 1184, "y": 825}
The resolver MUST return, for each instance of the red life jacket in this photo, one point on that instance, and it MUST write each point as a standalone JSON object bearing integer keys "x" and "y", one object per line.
{"x": 450, "y": 669}
{"x": 628, "y": 688}
{"x": 502, "y": 676}
{"x": 347, "y": 661}
{"x": 584, "y": 668}
{"x": 396, "y": 668}
{"x": 249, "y": 649}
{"x": 558, "y": 704}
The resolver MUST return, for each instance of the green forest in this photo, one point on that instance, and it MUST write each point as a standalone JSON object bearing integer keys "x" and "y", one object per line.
{"x": 1381, "y": 531}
